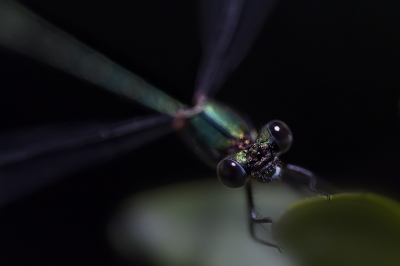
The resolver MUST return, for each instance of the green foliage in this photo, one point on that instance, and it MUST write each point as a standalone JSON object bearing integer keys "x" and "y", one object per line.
{"x": 351, "y": 229}
{"x": 204, "y": 223}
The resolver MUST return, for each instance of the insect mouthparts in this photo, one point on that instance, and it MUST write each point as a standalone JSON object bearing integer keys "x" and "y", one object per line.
{"x": 263, "y": 162}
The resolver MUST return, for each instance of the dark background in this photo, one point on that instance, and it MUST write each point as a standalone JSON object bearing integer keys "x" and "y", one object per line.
{"x": 329, "y": 69}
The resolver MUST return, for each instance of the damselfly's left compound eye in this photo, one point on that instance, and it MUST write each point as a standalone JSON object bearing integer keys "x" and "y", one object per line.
{"x": 281, "y": 133}
{"x": 231, "y": 173}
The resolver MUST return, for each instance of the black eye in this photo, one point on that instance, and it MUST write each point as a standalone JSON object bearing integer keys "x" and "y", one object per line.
{"x": 281, "y": 133}
{"x": 231, "y": 173}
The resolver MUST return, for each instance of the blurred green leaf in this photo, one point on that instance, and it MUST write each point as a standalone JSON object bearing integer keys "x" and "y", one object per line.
{"x": 351, "y": 229}
{"x": 200, "y": 223}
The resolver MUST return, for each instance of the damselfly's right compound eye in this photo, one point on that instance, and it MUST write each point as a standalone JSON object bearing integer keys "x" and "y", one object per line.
{"x": 281, "y": 133}
{"x": 231, "y": 173}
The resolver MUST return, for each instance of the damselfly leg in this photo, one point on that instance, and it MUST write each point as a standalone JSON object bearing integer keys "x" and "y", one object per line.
{"x": 312, "y": 180}
{"x": 255, "y": 219}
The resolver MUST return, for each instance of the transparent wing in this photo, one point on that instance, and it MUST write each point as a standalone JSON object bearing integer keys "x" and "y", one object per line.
{"x": 228, "y": 30}
{"x": 27, "y": 33}
{"x": 33, "y": 158}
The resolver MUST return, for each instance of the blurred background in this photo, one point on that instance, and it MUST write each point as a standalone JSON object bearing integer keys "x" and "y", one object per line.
{"x": 329, "y": 69}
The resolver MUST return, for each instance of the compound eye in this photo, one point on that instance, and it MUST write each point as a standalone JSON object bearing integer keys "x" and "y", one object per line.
{"x": 231, "y": 173}
{"x": 281, "y": 133}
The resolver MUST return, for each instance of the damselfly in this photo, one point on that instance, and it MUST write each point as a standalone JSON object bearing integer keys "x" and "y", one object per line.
{"x": 217, "y": 134}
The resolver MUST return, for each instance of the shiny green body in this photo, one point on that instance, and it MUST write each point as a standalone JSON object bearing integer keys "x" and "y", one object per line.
{"x": 213, "y": 133}
{"x": 217, "y": 125}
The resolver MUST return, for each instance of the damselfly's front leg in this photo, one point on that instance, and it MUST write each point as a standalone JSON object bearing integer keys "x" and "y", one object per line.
{"x": 312, "y": 181}
{"x": 254, "y": 220}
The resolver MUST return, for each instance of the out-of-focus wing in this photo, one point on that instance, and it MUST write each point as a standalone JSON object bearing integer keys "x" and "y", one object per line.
{"x": 27, "y": 33}
{"x": 228, "y": 30}
{"x": 33, "y": 158}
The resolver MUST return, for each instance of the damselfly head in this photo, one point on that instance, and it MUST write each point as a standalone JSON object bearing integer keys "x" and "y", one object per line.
{"x": 258, "y": 159}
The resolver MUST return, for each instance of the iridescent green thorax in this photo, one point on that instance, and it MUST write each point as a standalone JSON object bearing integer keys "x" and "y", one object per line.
{"x": 228, "y": 120}
{"x": 217, "y": 132}
{"x": 219, "y": 126}
{"x": 210, "y": 134}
